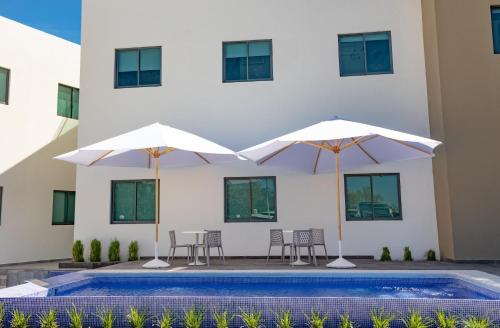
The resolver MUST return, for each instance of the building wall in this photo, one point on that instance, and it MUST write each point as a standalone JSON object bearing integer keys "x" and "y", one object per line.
{"x": 306, "y": 88}
{"x": 31, "y": 133}
{"x": 464, "y": 103}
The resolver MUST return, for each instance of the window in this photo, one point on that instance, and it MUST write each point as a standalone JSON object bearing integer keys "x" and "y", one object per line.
{"x": 138, "y": 67}
{"x": 63, "y": 207}
{"x": 4, "y": 86}
{"x": 365, "y": 54}
{"x": 495, "y": 23}
{"x": 133, "y": 201}
{"x": 247, "y": 61}
{"x": 373, "y": 197}
{"x": 250, "y": 199}
{"x": 68, "y": 99}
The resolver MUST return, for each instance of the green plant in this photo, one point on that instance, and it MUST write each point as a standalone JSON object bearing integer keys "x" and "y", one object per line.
{"x": 78, "y": 251}
{"x": 48, "y": 319}
{"x": 284, "y": 319}
{"x": 136, "y": 318}
{"x": 166, "y": 320}
{"x": 133, "y": 251}
{"x": 20, "y": 320}
{"x": 107, "y": 318}
{"x": 345, "y": 321}
{"x": 95, "y": 251}
{"x": 223, "y": 319}
{"x": 386, "y": 255}
{"x": 431, "y": 255}
{"x": 476, "y": 322}
{"x": 114, "y": 251}
{"x": 193, "y": 318}
{"x": 2, "y": 315}
{"x": 75, "y": 317}
{"x": 415, "y": 320}
{"x": 407, "y": 254}
{"x": 444, "y": 320}
{"x": 251, "y": 319}
{"x": 316, "y": 320}
{"x": 380, "y": 319}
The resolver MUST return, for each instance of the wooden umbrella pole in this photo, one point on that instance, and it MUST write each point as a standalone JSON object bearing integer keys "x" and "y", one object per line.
{"x": 337, "y": 175}
{"x": 156, "y": 199}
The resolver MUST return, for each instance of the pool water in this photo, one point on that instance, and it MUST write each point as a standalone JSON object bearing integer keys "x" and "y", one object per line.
{"x": 276, "y": 286}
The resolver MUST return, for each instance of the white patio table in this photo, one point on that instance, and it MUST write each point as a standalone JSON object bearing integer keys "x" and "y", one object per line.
{"x": 299, "y": 260}
{"x": 197, "y": 238}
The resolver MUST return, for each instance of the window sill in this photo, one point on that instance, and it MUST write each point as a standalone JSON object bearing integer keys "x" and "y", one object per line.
{"x": 374, "y": 219}
{"x": 250, "y": 220}
{"x": 63, "y": 224}
{"x": 139, "y": 86}
{"x": 133, "y": 222}
{"x": 259, "y": 80}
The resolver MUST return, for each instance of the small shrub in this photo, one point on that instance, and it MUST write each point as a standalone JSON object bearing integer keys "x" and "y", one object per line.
{"x": 415, "y": 320}
{"x": 316, "y": 320}
{"x": 166, "y": 320}
{"x": 78, "y": 251}
{"x": 431, "y": 255}
{"x": 476, "y": 322}
{"x": 133, "y": 251}
{"x": 345, "y": 321}
{"x": 75, "y": 317}
{"x": 223, "y": 319}
{"x": 386, "y": 255}
{"x": 284, "y": 319}
{"x": 48, "y": 319}
{"x": 251, "y": 319}
{"x": 136, "y": 318}
{"x": 107, "y": 318}
{"x": 2, "y": 315}
{"x": 95, "y": 251}
{"x": 381, "y": 319}
{"x": 407, "y": 254}
{"x": 20, "y": 320}
{"x": 193, "y": 318}
{"x": 114, "y": 251}
{"x": 444, "y": 320}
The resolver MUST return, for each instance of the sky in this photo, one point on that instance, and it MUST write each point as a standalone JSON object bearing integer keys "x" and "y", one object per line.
{"x": 59, "y": 17}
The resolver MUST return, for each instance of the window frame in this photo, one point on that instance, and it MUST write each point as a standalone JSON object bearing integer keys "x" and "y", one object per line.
{"x": 364, "y": 34}
{"x": 7, "y": 87}
{"x": 247, "y": 44}
{"x": 495, "y": 51}
{"x": 117, "y": 50}
{"x": 251, "y": 220}
{"x": 71, "y": 101}
{"x": 373, "y": 218}
{"x": 112, "y": 207}
{"x": 66, "y": 219}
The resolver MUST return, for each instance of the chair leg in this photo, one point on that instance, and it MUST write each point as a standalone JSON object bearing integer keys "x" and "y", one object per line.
{"x": 326, "y": 254}
{"x": 268, "y": 254}
{"x": 173, "y": 255}
{"x": 309, "y": 254}
{"x": 315, "y": 262}
{"x": 282, "y": 254}
{"x": 168, "y": 256}
{"x": 218, "y": 251}
{"x": 208, "y": 256}
{"x": 223, "y": 257}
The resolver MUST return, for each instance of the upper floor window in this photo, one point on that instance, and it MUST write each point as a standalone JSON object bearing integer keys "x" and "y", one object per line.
{"x": 4, "y": 86}
{"x": 372, "y": 197}
{"x": 133, "y": 201}
{"x": 247, "y": 61}
{"x": 138, "y": 67}
{"x": 495, "y": 22}
{"x": 365, "y": 54}
{"x": 68, "y": 101}
{"x": 63, "y": 207}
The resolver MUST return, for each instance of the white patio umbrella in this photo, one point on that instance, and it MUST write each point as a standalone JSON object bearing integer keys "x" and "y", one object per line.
{"x": 153, "y": 145}
{"x": 337, "y": 145}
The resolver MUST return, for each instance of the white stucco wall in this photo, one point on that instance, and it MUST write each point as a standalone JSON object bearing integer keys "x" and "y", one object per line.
{"x": 29, "y": 130}
{"x": 306, "y": 88}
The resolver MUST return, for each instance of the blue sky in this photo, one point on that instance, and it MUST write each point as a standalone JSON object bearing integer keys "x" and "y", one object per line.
{"x": 58, "y": 17}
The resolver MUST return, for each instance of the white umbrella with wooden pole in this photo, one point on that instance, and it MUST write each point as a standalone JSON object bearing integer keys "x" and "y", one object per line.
{"x": 156, "y": 144}
{"x": 336, "y": 145}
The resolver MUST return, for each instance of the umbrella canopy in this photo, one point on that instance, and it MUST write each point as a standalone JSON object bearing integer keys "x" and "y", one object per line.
{"x": 153, "y": 145}
{"x": 337, "y": 145}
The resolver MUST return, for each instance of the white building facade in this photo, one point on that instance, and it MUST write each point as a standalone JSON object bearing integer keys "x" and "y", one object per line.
{"x": 239, "y": 73}
{"x": 39, "y": 78}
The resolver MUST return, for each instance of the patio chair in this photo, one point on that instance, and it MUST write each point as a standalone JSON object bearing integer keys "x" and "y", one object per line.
{"x": 318, "y": 236}
{"x": 302, "y": 239}
{"x": 213, "y": 239}
{"x": 277, "y": 239}
{"x": 174, "y": 246}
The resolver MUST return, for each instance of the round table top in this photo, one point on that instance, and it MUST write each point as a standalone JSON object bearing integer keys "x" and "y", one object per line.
{"x": 195, "y": 231}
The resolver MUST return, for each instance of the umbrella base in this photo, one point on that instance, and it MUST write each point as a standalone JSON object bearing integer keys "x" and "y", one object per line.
{"x": 155, "y": 264}
{"x": 341, "y": 263}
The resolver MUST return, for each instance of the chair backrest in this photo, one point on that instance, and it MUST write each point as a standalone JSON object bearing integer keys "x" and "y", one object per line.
{"x": 318, "y": 236}
{"x": 213, "y": 238}
{"x": 302, "y": 237}
{"x": 173, "y": 242}
{"x": 277, "y": 237}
